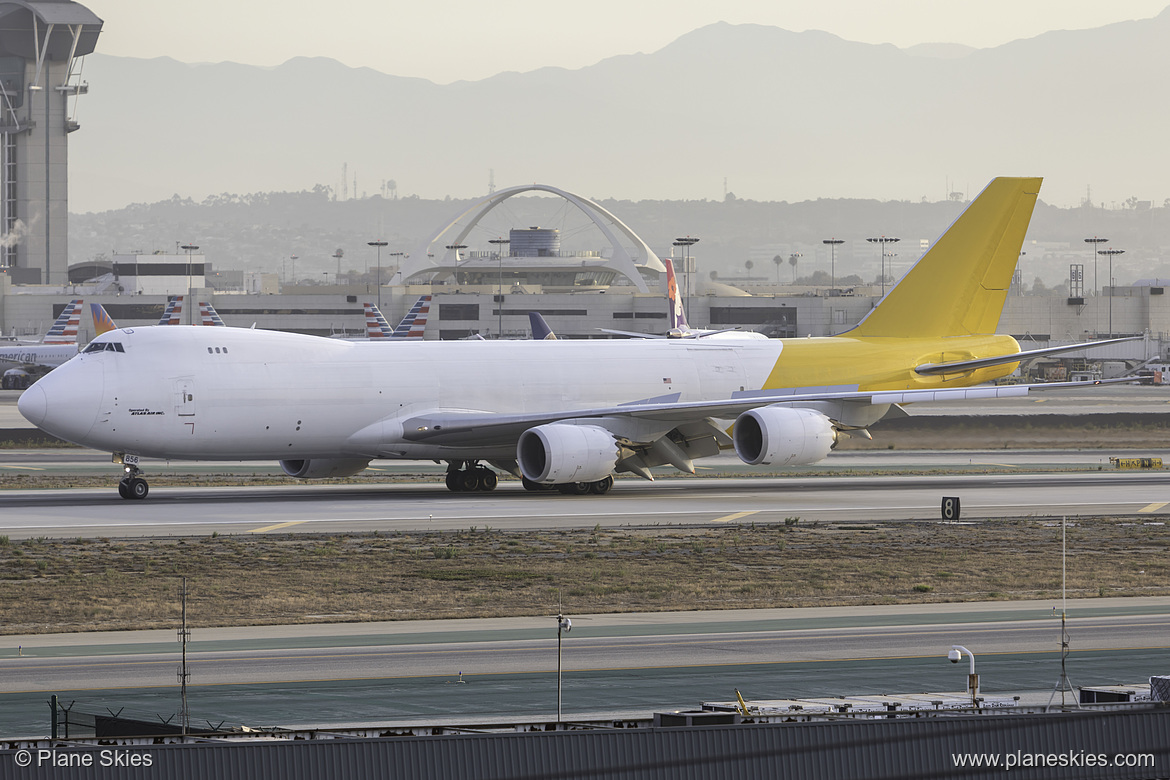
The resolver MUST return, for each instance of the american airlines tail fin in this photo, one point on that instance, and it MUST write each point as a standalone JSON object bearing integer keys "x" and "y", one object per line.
{"x": 172, "y": 315}
{"x": 678, "y": 317}
{"x": 64, "y": 330}
{"x": 959, "y": 286}
{"x": 102, "y": 321}
{"x": 414, "y": 323}
{"x": 376, "y": 325}
{"x": 540, "y": 329}
{"x": 209, "y": 316}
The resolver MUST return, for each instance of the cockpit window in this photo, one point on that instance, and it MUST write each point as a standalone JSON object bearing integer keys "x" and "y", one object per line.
{"x": 105, "y": 346}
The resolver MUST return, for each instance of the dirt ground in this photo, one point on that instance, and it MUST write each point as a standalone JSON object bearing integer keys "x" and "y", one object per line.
{"x": 79, "y": 585}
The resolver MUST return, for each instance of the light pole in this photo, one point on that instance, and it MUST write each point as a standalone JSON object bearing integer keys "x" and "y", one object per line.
{"x": 337, "y": 256}
{"x": 190, "y": 248}
{"x": 883, "y": 240}
{"x": 456, "y": 248}
{"x": 379, "y": 244}
{"x": 499, "y": 244}
{"x": 686, "y": 242}
{"x": 1093, "y": 243}
{"x": 564, "y": 626}
{"x": 832, "y": 242}
{"x": 956, "y": 655}
{"x": 294, "y": 268}
{"x": 1111, "y": 253}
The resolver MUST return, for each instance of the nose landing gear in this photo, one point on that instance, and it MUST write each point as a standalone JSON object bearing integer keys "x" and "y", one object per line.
{"x": 132, "y": 486}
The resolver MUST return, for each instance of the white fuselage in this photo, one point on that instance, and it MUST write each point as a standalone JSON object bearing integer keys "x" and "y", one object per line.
{"x": 236, "y": 394}
{"x": 43, "y": 355}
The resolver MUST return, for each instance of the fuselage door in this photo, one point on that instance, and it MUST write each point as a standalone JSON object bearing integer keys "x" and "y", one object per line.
{"x": 185, "y": 397}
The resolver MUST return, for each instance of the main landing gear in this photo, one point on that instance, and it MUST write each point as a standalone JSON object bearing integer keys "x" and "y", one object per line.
{"x": 599, "y": 487}
{"x": 132, "y": 486}
{"x": 467, "y": 476}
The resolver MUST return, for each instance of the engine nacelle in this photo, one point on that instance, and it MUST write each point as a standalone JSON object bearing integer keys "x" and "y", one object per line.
{"x": 783, "y": 436}
{"x": 324, "y": 468}
{"x": 558, "y": 453}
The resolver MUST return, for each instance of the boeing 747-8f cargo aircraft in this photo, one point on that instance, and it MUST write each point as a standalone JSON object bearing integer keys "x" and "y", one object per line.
{"x": 568, "y": 414}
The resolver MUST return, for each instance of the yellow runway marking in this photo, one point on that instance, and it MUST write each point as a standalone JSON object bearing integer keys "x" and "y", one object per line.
{"x": 1152, "y": 507}
{"x": 736, "y": 516}
{"x": 26, "y": 468}
{"x": 276, "y": 527}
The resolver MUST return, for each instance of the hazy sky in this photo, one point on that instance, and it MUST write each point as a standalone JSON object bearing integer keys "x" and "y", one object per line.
{"x": 449, "y": 40}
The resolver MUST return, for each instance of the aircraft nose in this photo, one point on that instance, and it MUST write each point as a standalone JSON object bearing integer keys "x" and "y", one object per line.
{"x": 65, "y": 402}
{"x": 33, "y": 404}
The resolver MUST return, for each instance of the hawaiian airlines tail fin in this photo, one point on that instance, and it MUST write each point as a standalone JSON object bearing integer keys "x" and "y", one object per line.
{"x": 959, "y": 286}
{"x": 102, "y": 321}
{"x": 64, "y": 330}
{"x": 376, "y": 325}
{"x": 172, "y": 315}
{"x": 209, "y": 316}
{"x": 678, "y": 317}
{"x": 414, "y": 323}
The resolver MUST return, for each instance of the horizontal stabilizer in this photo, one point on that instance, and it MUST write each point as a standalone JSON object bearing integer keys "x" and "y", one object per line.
{"x": 959, "y": 366}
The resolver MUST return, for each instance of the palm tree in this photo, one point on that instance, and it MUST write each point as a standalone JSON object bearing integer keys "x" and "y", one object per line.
{"x": 748, "y": 265}
{"x": 777, "y": 259}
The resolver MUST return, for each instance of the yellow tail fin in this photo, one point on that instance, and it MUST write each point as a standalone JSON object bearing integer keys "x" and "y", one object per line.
{"x": 958, "y": 287}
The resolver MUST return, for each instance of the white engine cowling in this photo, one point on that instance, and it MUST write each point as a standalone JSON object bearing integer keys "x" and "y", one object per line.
{"x": 324, "y": 468}
{"x": 558, "y": 453}
{"x": 783, "y": 436}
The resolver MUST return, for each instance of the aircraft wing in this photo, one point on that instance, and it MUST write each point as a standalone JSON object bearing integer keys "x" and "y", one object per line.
{"x": 472, "y": 427}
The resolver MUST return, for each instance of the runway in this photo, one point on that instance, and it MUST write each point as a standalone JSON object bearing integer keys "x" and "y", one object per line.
{"x": 420, "y": 507}
{"x": 389, "y": 672}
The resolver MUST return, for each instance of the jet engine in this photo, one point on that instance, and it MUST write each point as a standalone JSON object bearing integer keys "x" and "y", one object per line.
{"x": 324, "y": 468}
{"x": 783, "y": 436}
{"x": 559, "y": 453}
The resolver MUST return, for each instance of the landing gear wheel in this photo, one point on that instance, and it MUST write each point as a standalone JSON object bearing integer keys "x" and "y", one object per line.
{"x": 467, "y": 476}
{"x": 574, "y": 488}
{"x": 601, "y": 486}
{"x": 534, "y": 487}
{"x": 133, "y": 488}
{"x": 470, "y": 480}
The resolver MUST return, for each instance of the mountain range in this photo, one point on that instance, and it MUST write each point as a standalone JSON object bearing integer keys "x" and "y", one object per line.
{"x": 757, "y": 111}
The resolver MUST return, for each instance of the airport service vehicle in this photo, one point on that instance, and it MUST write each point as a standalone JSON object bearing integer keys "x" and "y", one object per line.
{"x": 559, "y": 414}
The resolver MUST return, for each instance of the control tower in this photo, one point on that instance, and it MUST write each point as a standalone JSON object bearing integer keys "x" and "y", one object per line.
{"x": 41, "y": 43}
